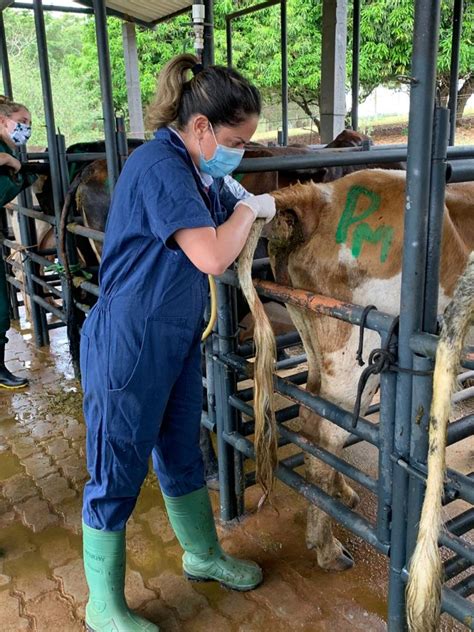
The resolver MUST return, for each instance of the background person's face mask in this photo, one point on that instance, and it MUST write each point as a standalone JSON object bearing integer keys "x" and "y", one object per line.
{"x": 20, "y": 133}
{"x": 223, "y": 161}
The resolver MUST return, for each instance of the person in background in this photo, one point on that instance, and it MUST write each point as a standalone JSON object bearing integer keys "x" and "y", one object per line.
{"x": 15, "y": 129}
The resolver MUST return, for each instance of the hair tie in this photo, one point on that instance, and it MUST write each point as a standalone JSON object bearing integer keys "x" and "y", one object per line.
{"x": 196, "y": 69}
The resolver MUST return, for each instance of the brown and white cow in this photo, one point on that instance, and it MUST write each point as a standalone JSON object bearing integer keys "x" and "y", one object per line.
{"x": 344, "y": 240}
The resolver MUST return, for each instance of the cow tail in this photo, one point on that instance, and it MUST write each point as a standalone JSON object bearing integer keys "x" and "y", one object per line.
{"x": 424, "y": 585}
{"x": 71, "y": 313}
{"x": 265, "y": 354}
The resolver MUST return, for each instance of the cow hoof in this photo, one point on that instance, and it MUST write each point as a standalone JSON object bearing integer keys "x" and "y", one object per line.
{"x": 353, "y": 500}
{"x": 342, "y": 562}
{"x": 212, "y": 482}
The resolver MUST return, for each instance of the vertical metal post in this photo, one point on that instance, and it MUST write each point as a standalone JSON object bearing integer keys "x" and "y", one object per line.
{"x": 48, "y": 110}
{"x": 228, "y": 36}
{"x": 355, "y": 63}
{"x": 388, "y": 383}
{"x": 333, "y": 69}
{"x": 284, "y": 71}
{"x": 454, "y": 75}
{"x": 106, "y": 92}
{"x": 132, "y": 77}
{"x": 29, "y": 240}
{"x": 225, "y": 414}
{"x": 122, "y": 144}
{"x": 6, "y": 77}
{"x": 422, "y": 98}
{"x": 208, "y": 54}
{"x": 422, "y": 385}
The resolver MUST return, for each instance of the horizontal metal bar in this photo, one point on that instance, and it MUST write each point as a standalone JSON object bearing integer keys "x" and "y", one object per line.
{"x": 87, "y": 156}
{"x": 291, "y": 362}
{"x": 460, "y": 171}
{"x": 92, "y": 288}
{"x": 252, "y": 9}
{"x": 47, "y": 286}
{"x": 454, "y": 566}
{"x": 53, "y": 7}
{"x": 43, "y": 217}
{"x": 56, "y": 325}
{"x": 460, "y": 429}
{"x": 13, "y": 245}
{"x": 465, "y": 393}
{"x": 320, "y": 406}
{"x": 344, "y": 516}
{"x": 85, "y": 231}
{"x": 246, "y": 394}
{"x": 464, "y": 588}
{"x": 348, "y": 312}
{"x": 320, "y": 453}
{"x": 283, "y": 342}
{"x": 282, "y": 415}
{"x": 291, "y": 462}
{"x": 425, "y": 344}
{"x": 458, "y": 545}
{"x": 461, "y": 523}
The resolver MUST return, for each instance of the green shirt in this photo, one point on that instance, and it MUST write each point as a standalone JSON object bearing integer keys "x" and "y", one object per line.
{"x": 10, "y": 187}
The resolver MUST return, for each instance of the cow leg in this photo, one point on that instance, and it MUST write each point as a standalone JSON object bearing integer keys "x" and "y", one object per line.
{"x": 344, "y": 492}
{"x": 330, "y": 553}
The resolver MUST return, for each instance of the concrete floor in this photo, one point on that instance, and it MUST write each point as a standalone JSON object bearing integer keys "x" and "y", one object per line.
{"x": 42, "y": 588}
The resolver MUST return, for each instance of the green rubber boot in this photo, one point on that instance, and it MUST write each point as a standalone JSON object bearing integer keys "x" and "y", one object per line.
{"x": 104, "y": 565}
{"x": 204, "y": 560}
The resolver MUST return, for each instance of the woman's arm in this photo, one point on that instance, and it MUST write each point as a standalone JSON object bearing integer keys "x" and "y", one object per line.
{"x": 6, "y": 160}
{"x": 212, "y": 250}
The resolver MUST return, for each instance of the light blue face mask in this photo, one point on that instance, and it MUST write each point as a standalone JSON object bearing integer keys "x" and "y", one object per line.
{"x": 223, "y": 161}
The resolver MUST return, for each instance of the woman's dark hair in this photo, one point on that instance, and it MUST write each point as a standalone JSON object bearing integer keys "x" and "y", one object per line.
{"x": 220, "y": 93}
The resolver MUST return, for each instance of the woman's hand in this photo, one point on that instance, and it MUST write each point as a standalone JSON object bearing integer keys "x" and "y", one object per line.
{"x": 262, "y": 206}
{"x": 6, "y": 160}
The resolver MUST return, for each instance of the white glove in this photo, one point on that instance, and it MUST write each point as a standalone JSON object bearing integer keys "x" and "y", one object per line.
{"x": 262, "y": 206}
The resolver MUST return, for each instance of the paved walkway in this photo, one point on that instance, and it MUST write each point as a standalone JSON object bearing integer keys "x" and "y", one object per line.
{"x": 42, "y": 588}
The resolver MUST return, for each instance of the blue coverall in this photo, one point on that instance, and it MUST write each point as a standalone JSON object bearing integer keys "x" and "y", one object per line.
{"x": 140, "y": 345}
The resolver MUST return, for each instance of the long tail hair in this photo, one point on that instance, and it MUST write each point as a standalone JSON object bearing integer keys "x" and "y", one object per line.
{"x": 265, "y": 355}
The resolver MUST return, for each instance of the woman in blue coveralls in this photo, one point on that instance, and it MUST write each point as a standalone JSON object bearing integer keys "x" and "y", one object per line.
{"x": 140, "y": 347}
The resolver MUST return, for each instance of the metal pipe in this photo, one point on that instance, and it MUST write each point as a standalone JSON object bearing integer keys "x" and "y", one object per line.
{"x": 454, "y": 73}
{"x": 106, "y": 92}
{"x": 291, "y": 462}
{"x": 378, "y": 321}
{"x": 454, "y": 566}
{"x": 460, "y": 429}
{"x": 208, "y": 53}
{"x": 53, "y": 7}
{"x": 284, "y": 70}
{"x": 420, "y": 128}
{"x": 459, "y": 171}
{"x": 458, "y": 545}
{"x": 85, "y": 231}
{"x": 23, "y": 210}
{"x": 6, "y": 76}
{"x": 426, "y": 344}
{"x": 228, "y": 35}
{"x": 355, "y": 63}
{"x": 344, "y": 516}
{"x": 461, "y": 523}
{"x": 465, "y": 587}
{"x": 252, "y": 9}
{"x": 283, "y": 341}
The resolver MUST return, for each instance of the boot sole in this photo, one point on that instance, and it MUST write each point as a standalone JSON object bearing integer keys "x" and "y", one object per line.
{"x": 15, "y": 388}
{"x": 202, "y": 580}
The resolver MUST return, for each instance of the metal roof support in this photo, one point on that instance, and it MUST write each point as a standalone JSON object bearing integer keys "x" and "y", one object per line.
{"x": 7, "y": 81}
{"x": 208, "y": 54}
{"x": 454, "y": 78}
{"x": 284, "y": 72}
{"x": 106, "y": 92}
{"x": 132, "y": 76}
{"x": 355, "y": 63}
{"x": 333, "y": 69}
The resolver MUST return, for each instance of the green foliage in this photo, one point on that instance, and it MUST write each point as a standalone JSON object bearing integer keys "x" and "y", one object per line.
{"x": 386, "y": 47}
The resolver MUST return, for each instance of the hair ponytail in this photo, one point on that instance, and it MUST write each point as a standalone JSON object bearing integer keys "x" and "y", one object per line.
{"x": 163, "y": 110}
{"x": 222, "y": 94}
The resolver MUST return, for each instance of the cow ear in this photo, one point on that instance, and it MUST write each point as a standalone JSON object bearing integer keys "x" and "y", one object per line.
{"x": 305, "y": 201}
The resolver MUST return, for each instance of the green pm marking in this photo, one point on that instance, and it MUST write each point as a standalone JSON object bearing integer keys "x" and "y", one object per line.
{"x": 363, "y": 232}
